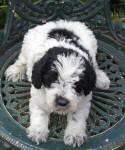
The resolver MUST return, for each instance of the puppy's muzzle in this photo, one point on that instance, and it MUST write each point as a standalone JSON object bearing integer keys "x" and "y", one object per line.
{"x": 61, "y": 101}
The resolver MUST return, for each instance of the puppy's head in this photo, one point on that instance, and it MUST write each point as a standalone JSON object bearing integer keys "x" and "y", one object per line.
{"x": 66, "y": 77}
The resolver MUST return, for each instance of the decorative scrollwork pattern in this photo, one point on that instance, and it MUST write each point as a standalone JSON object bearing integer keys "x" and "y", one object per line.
{"x": 120, "y": 30}
{"x": 50, "y": 9}
{"x": 108, "y": 107}
{"x": 26, "y": 14}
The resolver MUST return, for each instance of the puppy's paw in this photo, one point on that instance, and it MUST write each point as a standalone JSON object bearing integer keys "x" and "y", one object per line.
{"x": 102, "y": 81}
{"x": 37, "y": 135}
{"x": 15, "y": 73}
{"x": 75, "y": 139}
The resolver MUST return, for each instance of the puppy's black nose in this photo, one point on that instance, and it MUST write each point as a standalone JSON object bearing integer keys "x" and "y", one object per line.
{"x": 61, "y": 101}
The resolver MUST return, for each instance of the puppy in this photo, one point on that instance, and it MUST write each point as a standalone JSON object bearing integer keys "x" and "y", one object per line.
{"x": 59, "y": 59}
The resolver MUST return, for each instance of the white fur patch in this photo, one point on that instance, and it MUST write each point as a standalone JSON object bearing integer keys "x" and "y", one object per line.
{"x": 64, "y": 65}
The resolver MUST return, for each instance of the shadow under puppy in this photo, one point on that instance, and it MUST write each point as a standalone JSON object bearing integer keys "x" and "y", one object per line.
{"x": 59, "y": 59}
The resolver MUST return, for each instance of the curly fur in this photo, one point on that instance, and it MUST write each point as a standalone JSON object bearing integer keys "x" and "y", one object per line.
{"x": 59, "y": 59}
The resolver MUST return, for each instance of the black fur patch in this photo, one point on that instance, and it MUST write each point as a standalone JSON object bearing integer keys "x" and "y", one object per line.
{"x": 42, "y": 70}
{"x": 82, "y": 48}
{"x": 60, "y": 34}
{"x": 87, "y": 79}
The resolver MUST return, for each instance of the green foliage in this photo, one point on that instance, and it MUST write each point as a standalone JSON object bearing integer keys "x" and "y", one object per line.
{"x": 118, "y": 10}
{"x": 2, "y": 2}
{"x": 3, "y": 11}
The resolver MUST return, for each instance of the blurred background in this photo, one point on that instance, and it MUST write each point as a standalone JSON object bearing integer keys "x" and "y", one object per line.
{"x": 117, "y": 8}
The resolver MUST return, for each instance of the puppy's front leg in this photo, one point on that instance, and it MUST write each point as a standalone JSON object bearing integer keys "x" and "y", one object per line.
{"x": 39, "y": 118}
{"x": 75, "y": 133}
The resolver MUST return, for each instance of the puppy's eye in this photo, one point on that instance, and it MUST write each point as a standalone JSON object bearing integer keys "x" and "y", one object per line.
{"x": 55, "y": 84}
{"x": 52, "y": 86}
{"x": 74, "y": 75}
{"x": 57, "y": 81}
{"x": 73, "y": 80}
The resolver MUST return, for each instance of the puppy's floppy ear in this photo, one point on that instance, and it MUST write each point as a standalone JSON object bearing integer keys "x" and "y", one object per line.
{"x": 87, "y": 79}
{"x": 38, "y": 72}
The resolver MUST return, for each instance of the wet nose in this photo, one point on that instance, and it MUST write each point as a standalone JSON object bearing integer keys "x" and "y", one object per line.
{"x": 61, "y": 101}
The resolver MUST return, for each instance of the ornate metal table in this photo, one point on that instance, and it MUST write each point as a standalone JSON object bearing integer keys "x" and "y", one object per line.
{"x": 106, "y": 122}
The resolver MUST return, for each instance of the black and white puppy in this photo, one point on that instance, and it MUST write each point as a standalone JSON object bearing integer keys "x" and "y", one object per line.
{"x": 59, "y": 59}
